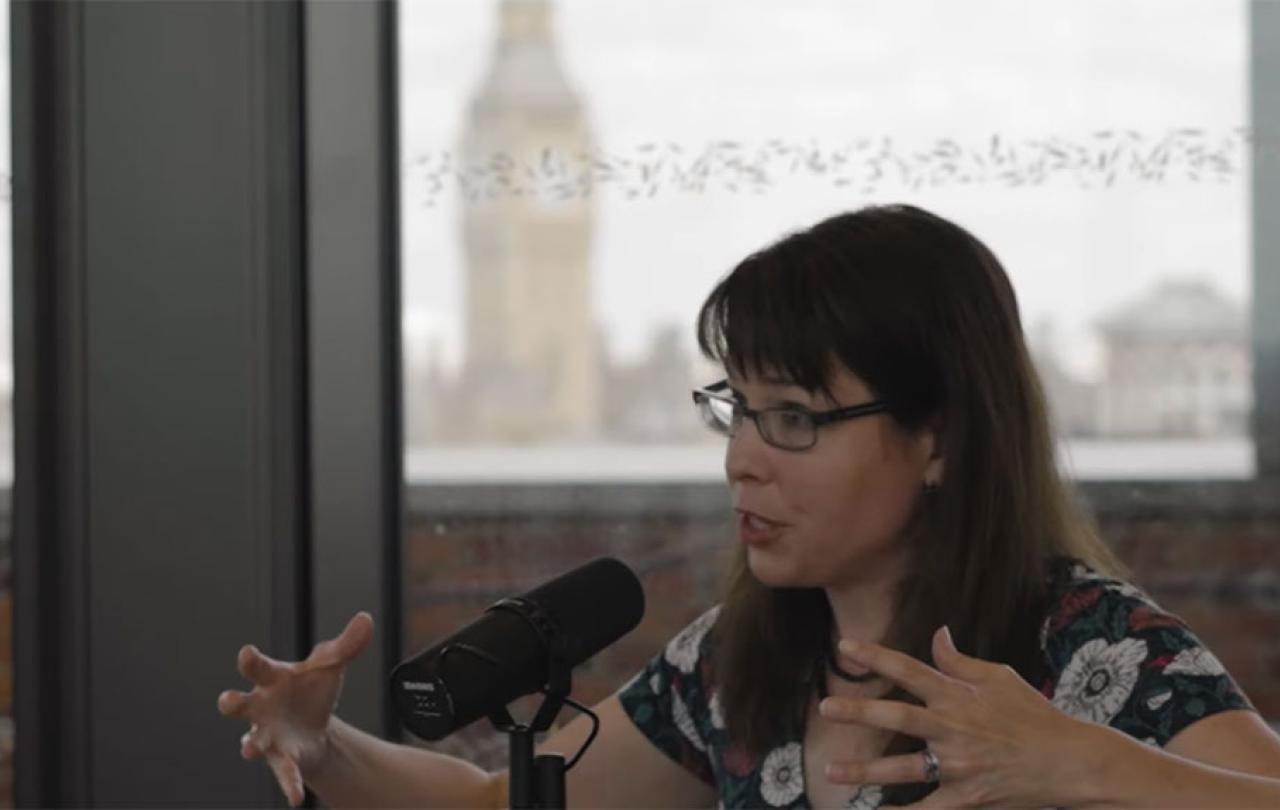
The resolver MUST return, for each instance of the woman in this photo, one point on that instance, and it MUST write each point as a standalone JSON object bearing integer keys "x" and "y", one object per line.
{"x": 892, "y": 468}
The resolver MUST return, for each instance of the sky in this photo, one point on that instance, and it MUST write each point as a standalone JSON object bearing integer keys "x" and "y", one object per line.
{"x": 692, "y": 72}
{"x": 828, "y": 72}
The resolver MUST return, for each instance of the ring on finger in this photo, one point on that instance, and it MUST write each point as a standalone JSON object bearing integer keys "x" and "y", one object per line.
{"x": 932, "y": 768}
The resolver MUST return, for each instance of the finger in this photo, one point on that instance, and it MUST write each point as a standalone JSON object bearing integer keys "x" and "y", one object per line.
{"x": 943, "y": 797}
{"x": 896, "y": 770}
{"x": 248, "y": 748}
{"x": 346, "y": 646}
{"x": 260, "y": 669}
{"x": 916, "y": 677}
{"x": 289, "y": 778}
{"x": 892, "y": 715}
{"x": 233, "y": 704}
{"x": 955, "y": 663}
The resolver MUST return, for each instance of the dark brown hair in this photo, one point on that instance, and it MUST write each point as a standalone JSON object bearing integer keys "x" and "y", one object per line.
{"x": 925, "y": 315}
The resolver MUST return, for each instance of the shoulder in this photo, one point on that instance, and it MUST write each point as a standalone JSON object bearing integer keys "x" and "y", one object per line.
{"x": 1087, "y": 605}
{"x": 1084, "y": 601}
{"x": 1116, "y": 657}
{"x": 669, "y": 700}
{"x": 678, "y": 672}
{"x": 689, "y": 647}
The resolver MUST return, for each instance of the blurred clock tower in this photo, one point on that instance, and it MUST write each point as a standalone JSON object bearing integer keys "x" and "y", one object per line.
{"x": 530, "y": 369}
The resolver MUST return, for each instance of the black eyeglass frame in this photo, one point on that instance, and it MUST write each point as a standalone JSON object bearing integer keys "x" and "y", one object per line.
{"x": 819, "y": 418}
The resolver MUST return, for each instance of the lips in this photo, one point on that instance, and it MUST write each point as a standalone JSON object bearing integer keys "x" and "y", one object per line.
{"x": 755, "y": 529}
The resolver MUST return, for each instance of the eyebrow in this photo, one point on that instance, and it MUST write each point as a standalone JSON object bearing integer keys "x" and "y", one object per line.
{"x": 776, "y": 403}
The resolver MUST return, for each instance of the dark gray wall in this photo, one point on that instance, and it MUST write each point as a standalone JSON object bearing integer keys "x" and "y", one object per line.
{"x": 353, "y": 245}
{"x": 180, "y": 432}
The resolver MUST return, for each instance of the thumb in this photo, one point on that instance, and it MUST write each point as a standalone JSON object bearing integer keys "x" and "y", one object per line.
{"x": 340, "y": 650}
{"x": 950, "y": 660}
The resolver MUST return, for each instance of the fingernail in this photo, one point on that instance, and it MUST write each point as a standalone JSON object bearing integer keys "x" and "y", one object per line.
{"x": 946, "y": 631}
{"x": 838, "y": 708}
{"x": 849, "y": 647}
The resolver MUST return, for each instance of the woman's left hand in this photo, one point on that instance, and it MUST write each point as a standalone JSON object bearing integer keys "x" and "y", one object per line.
{"x": 996, "y": 739}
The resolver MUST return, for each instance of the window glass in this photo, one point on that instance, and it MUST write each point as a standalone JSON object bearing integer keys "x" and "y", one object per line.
{"x": 577, "y": 175}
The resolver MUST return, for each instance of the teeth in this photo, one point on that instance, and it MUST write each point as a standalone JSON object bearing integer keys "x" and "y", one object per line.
{"x": 756, "y": 523}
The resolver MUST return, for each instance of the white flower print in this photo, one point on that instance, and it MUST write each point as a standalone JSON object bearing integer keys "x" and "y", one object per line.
{"x": 1079, "y": 571}
{"x": 655, "y": 683}
{"x": 1099, "y": 679}
{"x": 781, "y": 778}
{"x": 684, "y": 722}
{"x": 717, "y": 714}
{"x": 1159, "y": 699}
{"x": 1195, "y": 661}
{"x": 682, "y": 651}
{"x": 868, "y": 797}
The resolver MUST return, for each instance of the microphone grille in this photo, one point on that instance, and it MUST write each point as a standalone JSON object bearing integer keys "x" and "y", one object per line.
{"x": 594, "y": 605}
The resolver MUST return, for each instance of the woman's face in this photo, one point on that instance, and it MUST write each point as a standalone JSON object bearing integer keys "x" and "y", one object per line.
{"x": 832, "y": 515}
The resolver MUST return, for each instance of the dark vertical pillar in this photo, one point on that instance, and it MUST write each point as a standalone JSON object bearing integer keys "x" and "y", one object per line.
{"x": 182, "y": 406}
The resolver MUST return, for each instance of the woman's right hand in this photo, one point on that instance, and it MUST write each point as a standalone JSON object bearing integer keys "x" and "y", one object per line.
{"x": 291, "y": 704}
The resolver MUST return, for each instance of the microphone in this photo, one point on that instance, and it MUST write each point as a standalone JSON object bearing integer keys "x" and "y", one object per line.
{"x": 515, "y": 647}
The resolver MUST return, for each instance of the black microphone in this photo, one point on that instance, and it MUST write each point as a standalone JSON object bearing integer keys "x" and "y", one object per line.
{"x": 515, "y": 646}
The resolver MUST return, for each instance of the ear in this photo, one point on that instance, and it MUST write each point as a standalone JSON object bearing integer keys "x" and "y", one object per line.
{"x": 931, "y": 450}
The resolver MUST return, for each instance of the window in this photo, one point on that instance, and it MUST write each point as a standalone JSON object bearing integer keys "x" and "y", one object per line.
{"x": 577, "y": 175}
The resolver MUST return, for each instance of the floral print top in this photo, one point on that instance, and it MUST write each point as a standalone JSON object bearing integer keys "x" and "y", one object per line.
{"x": 1112, "y": 655}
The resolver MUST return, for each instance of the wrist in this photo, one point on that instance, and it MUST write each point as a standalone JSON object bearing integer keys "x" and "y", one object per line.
{"x": 321, "y": 751}
{"x": 1105, "y": 764}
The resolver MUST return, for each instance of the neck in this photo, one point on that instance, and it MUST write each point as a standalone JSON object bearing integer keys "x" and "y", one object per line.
{"x": 862, "y": 609}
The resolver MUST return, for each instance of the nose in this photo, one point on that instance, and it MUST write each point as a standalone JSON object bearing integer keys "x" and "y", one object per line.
{"x": 746, "y": 457}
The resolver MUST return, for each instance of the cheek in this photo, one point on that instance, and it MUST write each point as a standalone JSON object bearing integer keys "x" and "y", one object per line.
{"x": 869, "y": 502}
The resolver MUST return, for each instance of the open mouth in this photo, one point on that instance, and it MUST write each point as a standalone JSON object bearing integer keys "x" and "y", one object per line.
{"x": 754, "y": 529}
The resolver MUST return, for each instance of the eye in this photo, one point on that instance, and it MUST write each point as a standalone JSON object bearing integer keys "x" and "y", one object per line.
{"x": 793, "y": 419}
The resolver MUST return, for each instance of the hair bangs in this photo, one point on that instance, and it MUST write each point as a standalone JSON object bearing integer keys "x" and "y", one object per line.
{"x": 762, "y": 320}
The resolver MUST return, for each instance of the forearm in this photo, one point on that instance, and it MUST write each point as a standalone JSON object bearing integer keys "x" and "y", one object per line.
{"x": 1130, "y": 773}
{"x": 360, "y": 770}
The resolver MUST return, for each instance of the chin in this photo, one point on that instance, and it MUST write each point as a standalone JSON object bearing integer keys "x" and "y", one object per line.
{"x": 775, "y": 571}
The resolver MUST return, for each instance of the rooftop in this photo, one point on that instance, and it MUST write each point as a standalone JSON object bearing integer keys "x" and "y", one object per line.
{"x": 1187, "y": 307}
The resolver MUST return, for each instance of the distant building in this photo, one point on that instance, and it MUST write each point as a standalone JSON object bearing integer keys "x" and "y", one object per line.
{"x": 1073, "y": 402}
{"x": 530, "y": 369}
{"x": 650, "y": 401}
{"x": 423, "y": 383}
{"x": 1177, "y": 364}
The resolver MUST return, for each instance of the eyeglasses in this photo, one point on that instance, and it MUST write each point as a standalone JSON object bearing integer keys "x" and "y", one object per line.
{"x": 786, "y": 427}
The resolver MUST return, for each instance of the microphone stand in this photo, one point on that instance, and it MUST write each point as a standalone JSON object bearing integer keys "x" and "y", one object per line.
{"x": 536, "y": 783}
